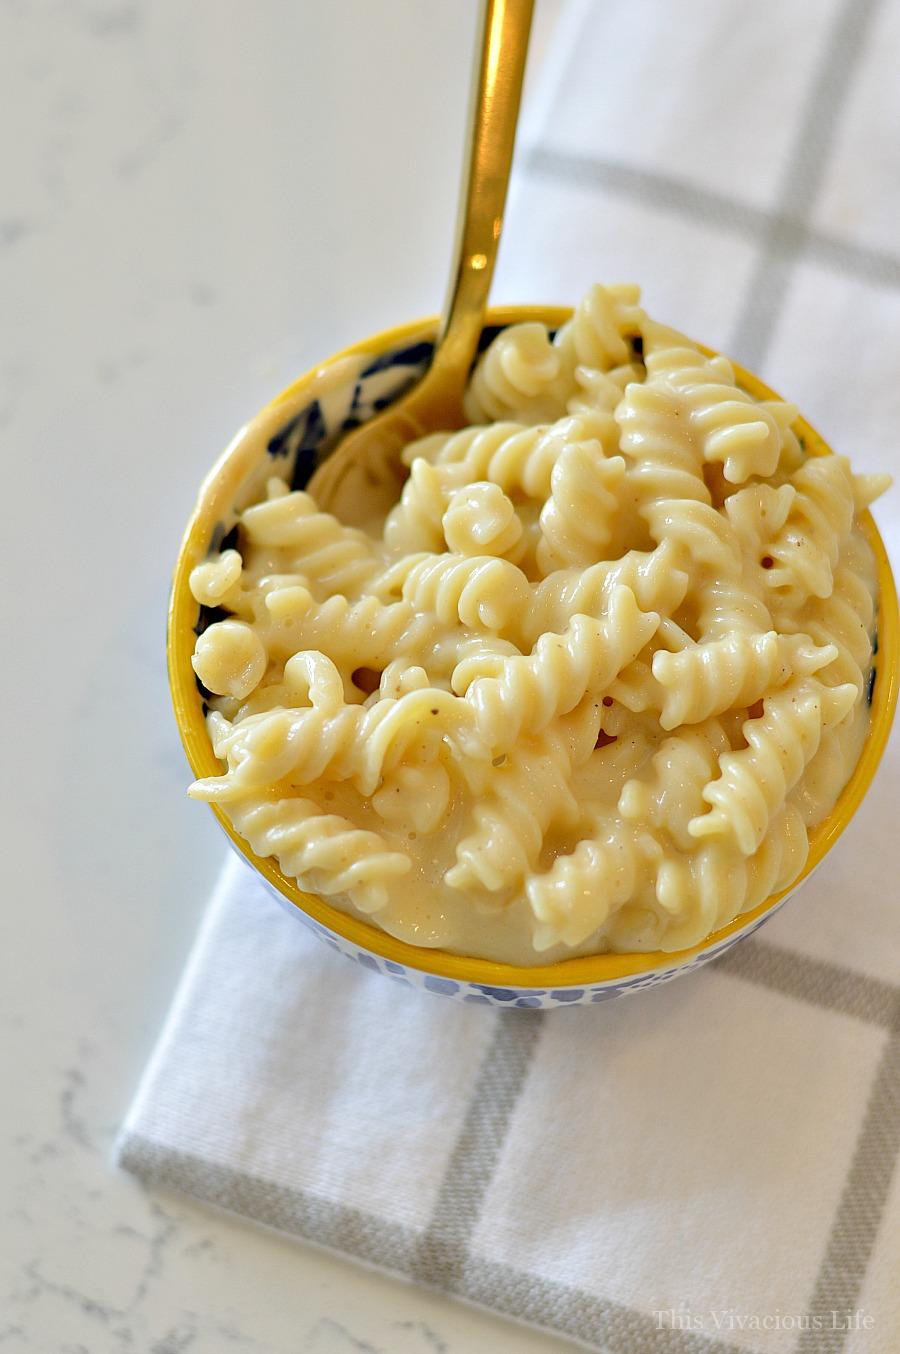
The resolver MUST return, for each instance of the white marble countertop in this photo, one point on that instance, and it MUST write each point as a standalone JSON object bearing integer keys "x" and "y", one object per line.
{"x": 199, "y": 200}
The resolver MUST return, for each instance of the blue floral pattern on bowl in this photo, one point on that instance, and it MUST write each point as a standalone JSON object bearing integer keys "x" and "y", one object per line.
{"x": 309, "y": 435}
{"x": 519, "y": 998}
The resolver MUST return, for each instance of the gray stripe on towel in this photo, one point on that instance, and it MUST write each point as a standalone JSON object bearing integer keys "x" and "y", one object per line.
{"x": 854, "y": 1232}
{"x": 679, "y": 197}
{"x": 651, "y": 189}
{"x": 443, "y": 1249}
{"x": 363, "y": 1235}
{"x": 816, "y": 981}
{"x": 801, "y": 181}
{"x": 560, "y": 1309}
{"x": 596, "y": 1322}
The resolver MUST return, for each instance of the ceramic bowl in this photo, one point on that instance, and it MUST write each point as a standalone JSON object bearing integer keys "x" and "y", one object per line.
{"x": 286, "y": 438}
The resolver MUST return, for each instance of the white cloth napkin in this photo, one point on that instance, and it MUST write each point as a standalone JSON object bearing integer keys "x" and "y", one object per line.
{"x": 708, "y": 1165}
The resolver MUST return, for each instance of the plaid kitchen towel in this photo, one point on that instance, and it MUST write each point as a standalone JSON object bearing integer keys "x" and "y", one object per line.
{"x": 712, "y": 1164}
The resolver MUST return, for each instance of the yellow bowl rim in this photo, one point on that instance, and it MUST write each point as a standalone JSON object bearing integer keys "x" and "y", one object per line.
{"x": 585, "y": 971}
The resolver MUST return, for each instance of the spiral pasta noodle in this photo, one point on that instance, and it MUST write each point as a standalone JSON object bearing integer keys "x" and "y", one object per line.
{"x": 368, "y": 631}
{"x": 653, "y": 577}
{"x": 324, "y": 849}
{"x": 743, "y": 435}
{"x": 601, "y": 333}
{"x": 578, "y": 521}
{"x": 520, "y": 371}
{"x": 708, "y": 679}
{"x": 530, "y": 793}
{"x": 806, "y": 550}
{"x": 480, "y": 520}
{"x": 335, "y": 558}
{"x": 667, "y": 478}
{"x": 668, "y": 792}
{"x": 515, "y": 696}
{"x": 754, "y": 782}
{"x": 844, "y": 620}
{"x": 477, "y": 590}
{"x": 578, "y": 893}
{"x": 518, "y": 459}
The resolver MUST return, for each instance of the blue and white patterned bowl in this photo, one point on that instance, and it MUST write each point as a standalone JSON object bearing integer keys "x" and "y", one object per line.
{"x": 289, "y": 438}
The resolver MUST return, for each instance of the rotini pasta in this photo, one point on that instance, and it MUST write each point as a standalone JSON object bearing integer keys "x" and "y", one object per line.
{"x": 574, "y": 898}
{"x": 653, "y": 577}
{"x": 729, "y": 426}
{"x": 368, "y": 631}
{"x": 518, "y": 459}
{"x": 804, "y": 553}
{"x": 530, "y": 793}
{"x": 588, "y": 684}
{"x": 578, "y": 521}
{"x": 335, "y": 558}
{"x": 520, "y": 371}
{"x": 480, "y": 520}
{"x": 668, "y": 792}
{"x": 515, "y": 696}
{"x": 526, "y": 375}
{"x": 602, "y": 331}
{"x": 478, "y": 590}
{"x": 667, "y": 479}
{"x": 324, "y": 850}
{"x": 754, "y": 782}
{"x": 708, "y": 679}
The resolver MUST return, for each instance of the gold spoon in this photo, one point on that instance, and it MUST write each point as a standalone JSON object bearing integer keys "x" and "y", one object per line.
{"x": 367, "y": 458}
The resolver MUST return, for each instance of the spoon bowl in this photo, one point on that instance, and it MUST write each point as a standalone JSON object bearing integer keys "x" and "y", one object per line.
{"x": 289, "y": 438}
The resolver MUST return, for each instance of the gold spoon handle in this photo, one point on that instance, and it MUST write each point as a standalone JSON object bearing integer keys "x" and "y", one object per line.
{"x": 493, "y": 113}
{"x": 362, "y": 471}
